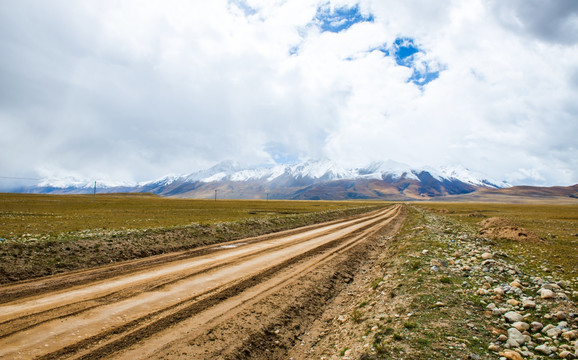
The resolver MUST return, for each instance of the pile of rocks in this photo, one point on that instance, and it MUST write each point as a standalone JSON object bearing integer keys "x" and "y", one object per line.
{"x": 531, "y": 317}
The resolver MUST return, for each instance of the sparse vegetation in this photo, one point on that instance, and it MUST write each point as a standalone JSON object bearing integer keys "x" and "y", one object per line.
{"x": 556, "y": 225}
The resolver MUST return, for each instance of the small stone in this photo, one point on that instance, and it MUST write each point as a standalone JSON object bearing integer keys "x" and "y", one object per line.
{"x": 440, "y": 304}
{"x": 554, "y": 333}
{"x": 570, "y": 335}
{"x": 528, "y": 304}
{"x": 516, "y": 284}
{"x": 521, "y": 326}
{"x": 502, "y": 338}
{"x": 563, "y": 325}
{"x": 543, "y": 349}
{"x": 491, "y": 306}
{"x": 513, "y": 302}
{"x": 512, "y": 316}
{"x": 487, "y": 256}
{"x": 497, "y": 312}
{"x": 494, "y": 348}
{"x": 566, "y": 355}
{"x": 498, "y": 290}
{"x": 512, "y": 355}
{"x": 546, "y": 294}
{"x": 561, "y": 315}
{"x": 515, "y": 337}
{"x": 536, "y": 326}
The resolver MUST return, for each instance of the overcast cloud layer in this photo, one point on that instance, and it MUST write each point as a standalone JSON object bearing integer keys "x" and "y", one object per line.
{"x": 134, "y": 90}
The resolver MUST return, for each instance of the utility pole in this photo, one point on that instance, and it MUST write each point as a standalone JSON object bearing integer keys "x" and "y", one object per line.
{"x": 95, "y": 190}
{"x": 215, "y": 195}
{"x": 267, "y": 196}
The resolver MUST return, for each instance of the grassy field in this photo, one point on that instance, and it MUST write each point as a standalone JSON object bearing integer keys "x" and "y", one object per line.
{"x": 557, "y": 225}
{"x": 36, "y": 215}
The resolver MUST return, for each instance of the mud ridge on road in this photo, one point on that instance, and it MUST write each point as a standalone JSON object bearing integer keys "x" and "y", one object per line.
{"x": 265, "y": 267}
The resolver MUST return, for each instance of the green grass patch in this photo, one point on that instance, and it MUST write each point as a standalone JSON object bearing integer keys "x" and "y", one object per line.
{"x": 375, "y": 283}
{"x": 445, "y": 280}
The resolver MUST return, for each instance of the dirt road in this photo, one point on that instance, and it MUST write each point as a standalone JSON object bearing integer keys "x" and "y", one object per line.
{"x": 245, "y": 299}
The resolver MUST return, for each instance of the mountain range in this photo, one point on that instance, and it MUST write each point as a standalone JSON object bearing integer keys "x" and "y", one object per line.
{"x": 309, "y": 180}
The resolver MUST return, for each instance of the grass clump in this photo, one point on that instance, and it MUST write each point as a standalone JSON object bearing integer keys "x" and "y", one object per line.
{"x": 445, "y": 280}
{"x": 375, "y": 283}
{"x": 357, "y": 316}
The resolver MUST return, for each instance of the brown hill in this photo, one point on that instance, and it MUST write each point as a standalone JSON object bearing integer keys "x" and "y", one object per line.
{"x": 521, "y": 194}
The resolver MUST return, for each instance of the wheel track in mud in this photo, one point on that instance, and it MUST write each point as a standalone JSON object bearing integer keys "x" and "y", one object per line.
{"x": 230, "y": 296}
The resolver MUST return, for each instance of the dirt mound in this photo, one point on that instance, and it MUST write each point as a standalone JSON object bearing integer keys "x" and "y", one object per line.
{"x": 500, "y": 228}
{"x": 495, "y": 222}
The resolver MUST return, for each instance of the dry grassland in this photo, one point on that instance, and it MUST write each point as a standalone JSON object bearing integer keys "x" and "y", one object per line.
{"x": 56, "y": 214}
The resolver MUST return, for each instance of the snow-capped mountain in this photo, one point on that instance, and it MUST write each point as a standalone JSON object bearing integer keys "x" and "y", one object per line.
{"x": 313, "y": 179}
{"x": 322, "y": 179}
{"x": 327, "y": 170}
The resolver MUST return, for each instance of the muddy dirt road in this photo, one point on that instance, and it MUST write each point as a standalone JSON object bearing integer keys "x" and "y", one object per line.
{"x": 244, "y": 299}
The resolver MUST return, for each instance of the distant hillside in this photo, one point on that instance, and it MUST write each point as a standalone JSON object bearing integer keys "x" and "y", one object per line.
{"x": 532, "y": 191}
{"x": 521, "y": 194}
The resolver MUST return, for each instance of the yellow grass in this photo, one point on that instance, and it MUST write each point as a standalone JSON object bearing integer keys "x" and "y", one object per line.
{"x": 55, "y": 214}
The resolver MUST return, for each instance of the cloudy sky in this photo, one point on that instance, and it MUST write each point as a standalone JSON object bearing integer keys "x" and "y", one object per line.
{"x": 134, "y": 90}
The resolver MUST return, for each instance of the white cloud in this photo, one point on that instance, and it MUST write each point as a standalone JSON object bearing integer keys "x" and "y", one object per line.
{"x": 133, "y": 90}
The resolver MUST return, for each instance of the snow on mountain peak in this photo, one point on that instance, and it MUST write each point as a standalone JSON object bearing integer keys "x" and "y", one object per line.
{"x": 317, "y": 169}
{"x": 311, "y": 170}
{"x": 329, "y": 170}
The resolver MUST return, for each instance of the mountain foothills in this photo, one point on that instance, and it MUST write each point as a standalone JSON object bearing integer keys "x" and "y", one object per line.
{"x": 310, "y": 180}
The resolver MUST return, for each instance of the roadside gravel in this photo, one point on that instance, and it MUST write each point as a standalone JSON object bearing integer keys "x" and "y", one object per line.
{"x": 440, "y": 290}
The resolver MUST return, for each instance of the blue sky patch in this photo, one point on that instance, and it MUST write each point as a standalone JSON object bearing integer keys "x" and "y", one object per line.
{"x": 404, "y": 49}
{"x": 406, "y": 53}
{"x": 244, "y": 6}
{"x": 421, "y": 78}
{"x": 339, "y": 19}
